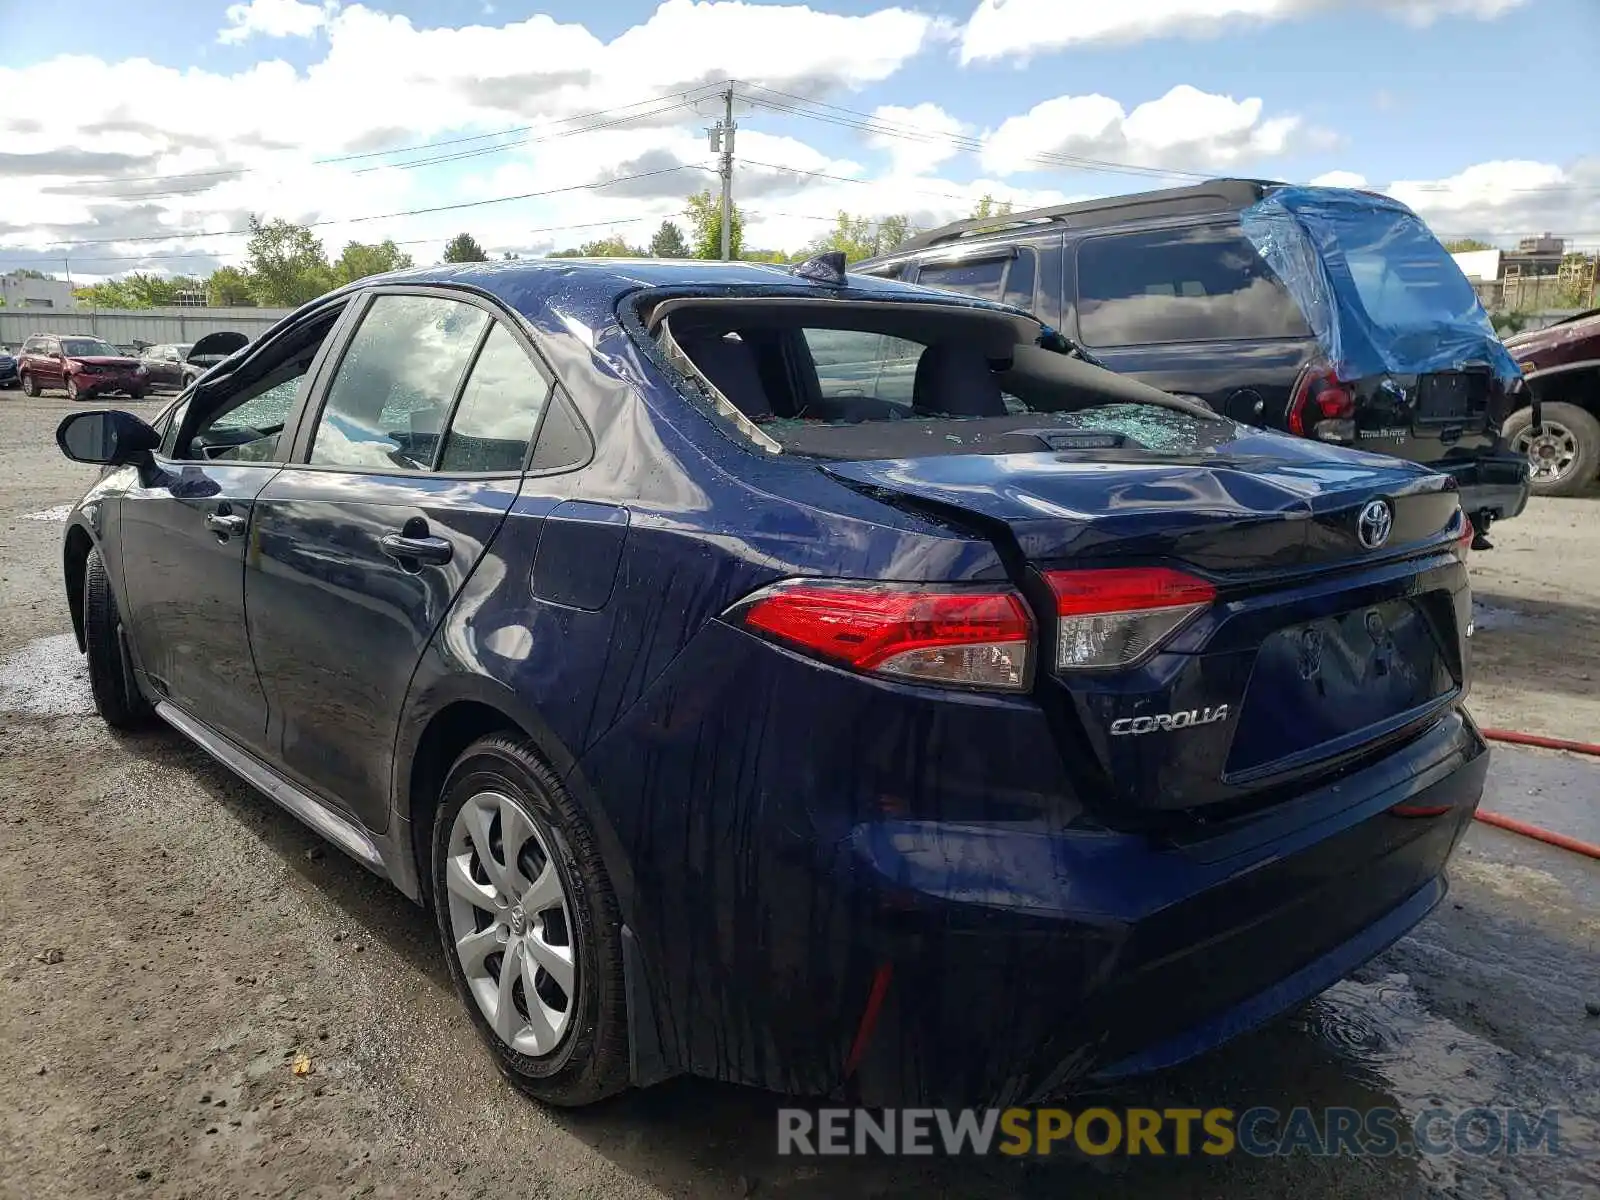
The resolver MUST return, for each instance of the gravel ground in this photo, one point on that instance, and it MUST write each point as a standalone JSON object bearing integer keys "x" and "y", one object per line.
{"x": 171, "y": 946}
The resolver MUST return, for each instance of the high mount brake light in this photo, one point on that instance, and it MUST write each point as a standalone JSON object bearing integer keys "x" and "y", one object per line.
{"x": 957, "y": 637}
{"x": 1114, "y": 617}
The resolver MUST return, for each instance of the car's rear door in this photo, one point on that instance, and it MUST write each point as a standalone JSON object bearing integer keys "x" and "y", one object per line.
{"x": 404, "y": 468}
{"x": 1190, "y": 308}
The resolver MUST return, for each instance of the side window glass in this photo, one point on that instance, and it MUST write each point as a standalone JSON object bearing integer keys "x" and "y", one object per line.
{"x": 250, "y": 427}
{"x": 848, "y": 361}
{"x": 1201, "y": 283}
{"x": 387, "y": 403}
{"x": 169, "y": 431}
{"x": 981, "y": 279}
{"x": 499, "y": 410}
{"x": 563, "y": 441}
{"x": 1020, "y": 279}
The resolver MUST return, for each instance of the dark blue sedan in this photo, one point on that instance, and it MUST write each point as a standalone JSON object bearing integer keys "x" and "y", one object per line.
{"x": 799, "y": 679}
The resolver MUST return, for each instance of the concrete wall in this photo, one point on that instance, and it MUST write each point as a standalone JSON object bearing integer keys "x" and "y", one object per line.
{"x": 123, "y": 327}
{"x": 36, "y": 295}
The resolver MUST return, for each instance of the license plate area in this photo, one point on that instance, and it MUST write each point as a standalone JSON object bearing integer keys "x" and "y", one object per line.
{"x": 1452, "y": 396}
{"x": 1320, "y": 685}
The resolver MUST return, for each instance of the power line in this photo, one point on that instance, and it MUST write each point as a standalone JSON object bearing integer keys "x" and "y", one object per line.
{"x": 802, "y": 106}
{"x": 178, "y": 235}
{"x": 685, "y": 98}
{"x": 751, "y": 162}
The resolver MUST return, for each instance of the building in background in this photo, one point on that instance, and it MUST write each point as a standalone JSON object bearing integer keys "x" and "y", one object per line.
{"x": 21, "y": 290}
{"x": 1534, "y": 256}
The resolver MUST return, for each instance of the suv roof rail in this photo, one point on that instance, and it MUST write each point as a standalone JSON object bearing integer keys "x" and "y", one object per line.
{"x": 1212, "y": 196}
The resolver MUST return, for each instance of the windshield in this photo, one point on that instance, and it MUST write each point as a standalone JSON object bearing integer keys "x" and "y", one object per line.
{"x": 80, "y": 347}
{"x": 872, "y": 380}
{"x": 1404, "y": 278}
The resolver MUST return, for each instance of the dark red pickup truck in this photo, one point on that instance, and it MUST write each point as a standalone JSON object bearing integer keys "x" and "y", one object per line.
{"x": 1561, "y": 365}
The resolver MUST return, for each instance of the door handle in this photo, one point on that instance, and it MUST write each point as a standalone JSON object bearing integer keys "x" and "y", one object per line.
{"x": 225, "y": 524}
{"x": 425, "y": 549}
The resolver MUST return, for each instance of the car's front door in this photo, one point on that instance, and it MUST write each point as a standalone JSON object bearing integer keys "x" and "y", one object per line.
{"x": 414, "y": 457}
{"x": 185, "y": 534}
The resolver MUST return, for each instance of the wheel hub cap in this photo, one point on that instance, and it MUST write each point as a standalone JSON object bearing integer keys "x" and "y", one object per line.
{"x": 1551, "y": 452}
{"x": 510, "y": 918}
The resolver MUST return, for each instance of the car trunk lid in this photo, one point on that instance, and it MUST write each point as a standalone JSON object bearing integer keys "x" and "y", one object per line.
{"x": 1334, "y": 620}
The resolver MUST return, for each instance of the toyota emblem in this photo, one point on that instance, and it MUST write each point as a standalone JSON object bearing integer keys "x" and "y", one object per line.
{"x": 1374, "y": 524}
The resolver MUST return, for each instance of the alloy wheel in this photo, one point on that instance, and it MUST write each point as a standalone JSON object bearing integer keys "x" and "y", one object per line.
{"x": 510, "y": 920}
{"x": 1552, "y": 452}
{"x": 72, "y": 389}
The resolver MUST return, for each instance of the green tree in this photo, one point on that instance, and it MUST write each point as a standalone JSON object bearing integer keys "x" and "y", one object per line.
{"x": 862, "y": 237}
{"x": 988, "y": 207}
{"x": 1465, "y": 245}
{"x": 360, "y": 259}
{"x": 108, "y": 293}
{"x": 668, "y": 242}
{"x": 464, "y": 248}
{"x": 229, "y": 287}
{"x": 704, "y": 212}
{"x": 287, "y": 266}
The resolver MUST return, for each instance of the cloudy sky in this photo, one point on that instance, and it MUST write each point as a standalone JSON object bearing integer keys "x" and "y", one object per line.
{"x": 132, "y": 138}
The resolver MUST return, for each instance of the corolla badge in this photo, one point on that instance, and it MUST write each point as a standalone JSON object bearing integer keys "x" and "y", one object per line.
{"x": 1165, "y": 722}
{"x": 1374, "y": 524}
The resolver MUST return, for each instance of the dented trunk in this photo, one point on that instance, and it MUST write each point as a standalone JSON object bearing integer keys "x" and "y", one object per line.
{"x": 1325, "y": 617}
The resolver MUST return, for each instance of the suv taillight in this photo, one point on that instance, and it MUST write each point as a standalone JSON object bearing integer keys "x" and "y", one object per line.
{"x": 953, "y": 636}
{"x": 1322, "y": 407}
{"x": 1114, "y": 617}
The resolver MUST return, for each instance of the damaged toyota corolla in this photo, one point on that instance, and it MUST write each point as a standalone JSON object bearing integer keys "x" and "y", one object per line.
{"x": 799, "y": 679}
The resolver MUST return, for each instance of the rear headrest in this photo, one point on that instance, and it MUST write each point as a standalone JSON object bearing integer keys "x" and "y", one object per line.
{"x": 954, "y": 380}
{"x": 731, "y": 365}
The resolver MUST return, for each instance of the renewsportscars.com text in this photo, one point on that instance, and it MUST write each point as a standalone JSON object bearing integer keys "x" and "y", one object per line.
{"x": 1180, "y": 1132}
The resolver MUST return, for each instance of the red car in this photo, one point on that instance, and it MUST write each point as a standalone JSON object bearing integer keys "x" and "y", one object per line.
{"x": 85, "y": 366}
{"x": 1562, "y": 367}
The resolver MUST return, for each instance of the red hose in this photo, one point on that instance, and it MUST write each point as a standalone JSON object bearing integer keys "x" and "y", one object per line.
{"x": 1522, "y": 827}
{"x": 1544, "y": 743}
{"x": 1540, "y": 835}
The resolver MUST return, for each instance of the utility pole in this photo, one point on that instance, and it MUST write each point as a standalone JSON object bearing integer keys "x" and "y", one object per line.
{"x": 722, "y": 139}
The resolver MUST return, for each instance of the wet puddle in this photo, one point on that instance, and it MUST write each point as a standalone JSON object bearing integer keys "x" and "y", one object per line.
{"x": 46, "y": 678}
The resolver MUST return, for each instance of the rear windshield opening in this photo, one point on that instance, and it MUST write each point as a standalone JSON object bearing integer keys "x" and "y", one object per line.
{"x": 875, "y": 380}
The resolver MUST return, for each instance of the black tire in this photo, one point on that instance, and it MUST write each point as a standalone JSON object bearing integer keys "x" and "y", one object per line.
{"x": 1585, "y": 434}
{"x": 72, "y": 389}
{"x": 136, "y": 394}
{"x": 590, "y": 1062}
{"x": 116, "y": 696}
{"x": 30, "y": 385}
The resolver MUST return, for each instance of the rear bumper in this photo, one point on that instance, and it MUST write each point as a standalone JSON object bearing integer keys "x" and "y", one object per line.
{"x": 1495, "y": 484}
{"x": 1099, "y": 956}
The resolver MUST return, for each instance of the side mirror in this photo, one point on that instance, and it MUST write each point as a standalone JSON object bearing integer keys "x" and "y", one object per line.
{"x": 105, "y": 436}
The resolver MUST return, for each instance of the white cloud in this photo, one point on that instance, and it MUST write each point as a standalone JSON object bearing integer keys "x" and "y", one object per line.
{"x": 1500, "y": 201}
{"x": 382, "y": 81}
{"x": 1019, "y": 29}
{"x": 1186, "y": 129}
{"x": 924, "y": 136}
{"x": 273, "y": 18}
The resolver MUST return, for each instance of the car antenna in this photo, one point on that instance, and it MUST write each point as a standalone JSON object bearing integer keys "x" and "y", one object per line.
{"x": 825, "y": 268}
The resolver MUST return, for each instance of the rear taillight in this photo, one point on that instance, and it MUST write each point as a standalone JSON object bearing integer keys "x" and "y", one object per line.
{"x": 1322, "y": 407}
{"x": 957, "y": 637}
{"x": 1115, "y": 617}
